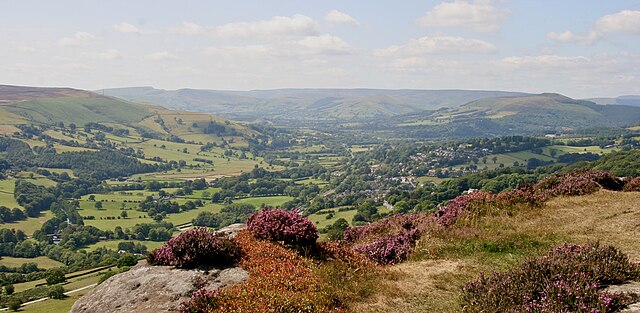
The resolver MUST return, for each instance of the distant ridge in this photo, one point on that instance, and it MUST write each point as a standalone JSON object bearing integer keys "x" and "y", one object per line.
{"x": 306, "y": 103}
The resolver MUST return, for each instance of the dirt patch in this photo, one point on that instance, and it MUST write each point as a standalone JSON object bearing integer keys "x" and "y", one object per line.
{"x": 414, "y": 287}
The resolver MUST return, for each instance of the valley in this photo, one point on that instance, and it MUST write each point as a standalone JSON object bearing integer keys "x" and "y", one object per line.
{"x": 89, "y": 181}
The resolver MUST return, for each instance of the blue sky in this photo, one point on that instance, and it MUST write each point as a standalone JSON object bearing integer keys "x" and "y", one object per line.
{"x": 578, "y": 48}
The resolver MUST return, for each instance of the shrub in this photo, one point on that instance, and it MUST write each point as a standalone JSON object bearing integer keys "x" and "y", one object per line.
{"x": 391, "y": 248}
{"x": 197, "y": 247}
{"x": 56, "y": 292}
{"x": 9, "y": 289}
{"x": 578, "y": 183}
{"x": 567, "y": 279}
{"x": 14, "y": 304}
{"x": 633, "y": 185}
{"x": 281, "y": 280}
{"x": 55, "y": 276}
{"x": 127, "y": 260}
{"x": 284, "y": 226}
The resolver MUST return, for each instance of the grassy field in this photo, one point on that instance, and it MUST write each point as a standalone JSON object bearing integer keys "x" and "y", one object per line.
{"x": 274, "y": 201}
{"x": 113, "y": 244}
{"x": 30, "y": 225}
{"x": 307, "y": 181}
{"x": 321, "y": 221}
{"x": 6, "y": 193}
{"x": 41, "y": 261}
{"x": 435, "y": 180}
{"x": 51, "y": 305}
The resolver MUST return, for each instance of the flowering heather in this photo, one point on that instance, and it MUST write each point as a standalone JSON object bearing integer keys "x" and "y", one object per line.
{"x": 389, "y": 226}
{"x": 577, "y": 183}
{"x": 568, "y": 279}
{"x": 280, "y": 280}
{"x": 633, "y": 185}
{"x": 194, "y": 248}
{"x": 390, "y": 249}
{"x": 281, "y": 225}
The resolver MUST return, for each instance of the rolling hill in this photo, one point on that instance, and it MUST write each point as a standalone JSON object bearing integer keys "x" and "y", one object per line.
{"x": 632, "y": 100}
{"x": 529, "y": 114}
{"x": 305, "y": 103}
{"x": 48, "y": 106}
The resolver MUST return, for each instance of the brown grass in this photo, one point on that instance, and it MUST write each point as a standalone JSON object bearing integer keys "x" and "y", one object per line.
{"x": 444, "y": 262}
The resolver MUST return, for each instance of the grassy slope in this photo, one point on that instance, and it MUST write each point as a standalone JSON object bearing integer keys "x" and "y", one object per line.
{"x": 431, "y": 281}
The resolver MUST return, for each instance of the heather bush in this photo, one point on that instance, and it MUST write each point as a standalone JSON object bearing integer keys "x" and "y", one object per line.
{"x": 633, "y": 185}
{"x": 283, "y": 226}
{"x": 197, "y": 247}
{"x": 390, "y": 249}
{"x": 281, "y": 280}
{"x": 570, "y": 278}
{"x": 389, "y": 226}
{"x": 578, "y": 183}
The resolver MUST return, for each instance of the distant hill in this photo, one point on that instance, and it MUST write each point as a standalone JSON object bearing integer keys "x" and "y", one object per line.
{"x": 529, "y": 114}
{"x": 35, "y": 105}
{"x": 305, "y": 103}
{"x": 632, "y": 100}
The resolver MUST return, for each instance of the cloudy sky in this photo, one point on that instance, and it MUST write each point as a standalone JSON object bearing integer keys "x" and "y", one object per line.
{"x": 576, "y": 47}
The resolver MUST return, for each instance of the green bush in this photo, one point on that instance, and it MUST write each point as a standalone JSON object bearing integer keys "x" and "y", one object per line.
{"x": 56, "y": 292}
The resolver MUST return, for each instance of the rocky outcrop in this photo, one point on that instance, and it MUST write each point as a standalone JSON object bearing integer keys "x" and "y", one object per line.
{"x": 634, "y": 288}
{"x": 151, "y": 289}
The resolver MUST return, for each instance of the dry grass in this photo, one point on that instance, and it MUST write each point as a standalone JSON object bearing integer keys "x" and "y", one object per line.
{"x": 444, "y": 262}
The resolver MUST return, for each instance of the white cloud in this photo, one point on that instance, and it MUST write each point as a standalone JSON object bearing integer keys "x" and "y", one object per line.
{"x": 480, "y": 16}
{"x": 338, "y": 17}
{"x": 437, "y": 45}
{"x": 248, "y": 51}
{"x": 78, "y": 39}
{"x": 187, "y": 28}
{"x": 127, "y": 28}
{"x": 161, "y": 56}
{"x": 277, "y": 26}
{"x": 324, "y": 44}
{"x": 622, "y": 22}
{"x": 109, "y": 55}
{"x": 547, "y": 60}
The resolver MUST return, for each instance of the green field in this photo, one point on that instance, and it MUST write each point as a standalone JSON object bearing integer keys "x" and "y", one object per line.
{"x": 6, "y": 193}
{"x": 113, "y": 244}
{"x": 30, "y": 225}
{"x": 321, "y": 221}
{"x": 274, "y": 201}
{"x": 41, "y": 261}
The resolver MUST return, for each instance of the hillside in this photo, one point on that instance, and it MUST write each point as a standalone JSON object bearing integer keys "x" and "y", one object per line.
{"x": 49, "y": 106}
{"x": 432, "y": 281}
{"x": 530, "y": 114}
{"x": 632, "y": 100}
{"x": 305, "y": 103}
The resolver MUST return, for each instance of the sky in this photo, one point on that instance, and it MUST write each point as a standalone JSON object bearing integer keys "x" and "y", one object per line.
{"x": 579, "y": 48}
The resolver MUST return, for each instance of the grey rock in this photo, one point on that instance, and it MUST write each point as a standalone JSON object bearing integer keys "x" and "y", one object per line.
{"x": 150, "y": 289}
{"x": 633, "y": 287}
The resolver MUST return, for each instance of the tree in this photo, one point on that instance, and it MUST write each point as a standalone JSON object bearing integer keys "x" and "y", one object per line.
{"x": 55, "y": 276}
{"x": 9, "y": 289}
{"x": 124, "y": 214}
{"x": 494, "y": 159}
{"x": 92, "y": 197}
{"x": 98, "y": 205}
{"x": 127, "y": 260}
{"x": 56, "y": 292}
{"x": 14, "y": 304}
